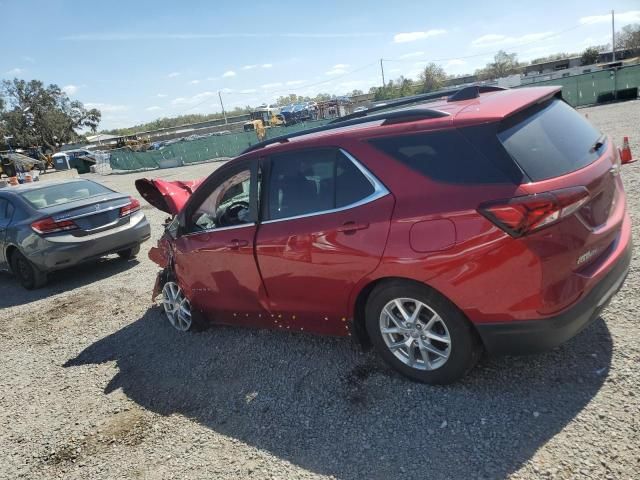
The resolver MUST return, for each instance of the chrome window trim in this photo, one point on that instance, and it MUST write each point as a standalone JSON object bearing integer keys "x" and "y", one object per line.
{"x": 379, "y": 191}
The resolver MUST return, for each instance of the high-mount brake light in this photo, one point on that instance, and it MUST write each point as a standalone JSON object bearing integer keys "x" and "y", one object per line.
{"x": 520, "y": 216}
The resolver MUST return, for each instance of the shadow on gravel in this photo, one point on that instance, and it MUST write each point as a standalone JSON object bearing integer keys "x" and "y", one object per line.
{"x": 12, "y": 294}
{"x": 321, "y": 404}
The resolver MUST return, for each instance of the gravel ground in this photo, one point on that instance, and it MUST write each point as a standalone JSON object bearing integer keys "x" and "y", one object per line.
{"x": 95, "y": 384}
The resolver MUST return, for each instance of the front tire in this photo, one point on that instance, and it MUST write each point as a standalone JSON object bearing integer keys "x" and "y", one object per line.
{"x": 26, "y": 272}
{"x": 420, "y": 333}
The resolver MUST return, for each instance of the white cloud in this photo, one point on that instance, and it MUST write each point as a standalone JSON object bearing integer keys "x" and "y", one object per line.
{"x": 337, "y": 69}
{"x": 291, "y": 83}
{"x": 414, "y": 36}
{"x": 194, "y": 82}
{"x": 70, "y": 89}
{"x": 411, "y": 55}
{"x": 493, "y": 39}
{"x": 268, "y": 86}
{"x": 15, "y": 71}
{"x": 162, "y": 95}
{"x": 153, "y": 108}
{"x": 174, "y": 74}
{"x": 248, "y": 90}
{"x": 251, "y": 67}
{"x": 454, "y": 65}
{"x": 198, "y": 98}
{"x": 229, "y": 73}
{"x": 107, "y": 107}
{"x": 623, "y": 18}
{"x": 29, "y": 59}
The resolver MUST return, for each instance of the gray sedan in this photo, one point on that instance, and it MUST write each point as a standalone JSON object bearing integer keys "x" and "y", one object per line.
{"x": 50, "y": 226}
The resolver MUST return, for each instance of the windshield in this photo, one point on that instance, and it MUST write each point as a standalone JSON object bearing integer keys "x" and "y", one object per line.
{"x": 59, "y": 194}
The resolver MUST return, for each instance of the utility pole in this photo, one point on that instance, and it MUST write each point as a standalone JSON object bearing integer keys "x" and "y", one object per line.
{"x": 222, "y": 105}
{"x": 613, "y": 37}
{"x": 382, "y": 71}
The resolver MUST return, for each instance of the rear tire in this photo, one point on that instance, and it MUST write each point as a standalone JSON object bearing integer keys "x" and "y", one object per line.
{"x": 129, "y": 253}
{"x": 436, "y": 346}
{"x": 26, "y": 272}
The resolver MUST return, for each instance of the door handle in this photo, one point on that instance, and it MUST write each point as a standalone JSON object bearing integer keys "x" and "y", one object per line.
{"x": 352, "y": 227}
{"x": 235, "y": 244}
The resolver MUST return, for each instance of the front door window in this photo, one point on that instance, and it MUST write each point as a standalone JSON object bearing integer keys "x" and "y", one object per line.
{"x": 227, "y": 205}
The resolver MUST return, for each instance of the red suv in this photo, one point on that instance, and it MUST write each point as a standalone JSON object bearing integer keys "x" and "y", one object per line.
{"x": 492, "y": 219}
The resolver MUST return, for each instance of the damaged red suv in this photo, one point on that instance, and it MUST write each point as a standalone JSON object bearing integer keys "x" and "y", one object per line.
{"x": 487, "y": 220}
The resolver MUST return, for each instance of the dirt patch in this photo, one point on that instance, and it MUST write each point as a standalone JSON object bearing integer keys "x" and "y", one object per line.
{"x": 124, "y": 428}
{"x": 356, "y": 382}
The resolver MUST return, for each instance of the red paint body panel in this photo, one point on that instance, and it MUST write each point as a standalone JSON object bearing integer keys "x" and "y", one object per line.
{"x": 309, "y": 266}
{"x": 303, "y": 270}
{"x": 218, "y": 273}
{"x": 168, "y": 196}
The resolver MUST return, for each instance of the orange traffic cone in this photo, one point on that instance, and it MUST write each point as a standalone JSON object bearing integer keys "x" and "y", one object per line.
{"x": 13, "y": 180}
{"x": 625, "y": 152}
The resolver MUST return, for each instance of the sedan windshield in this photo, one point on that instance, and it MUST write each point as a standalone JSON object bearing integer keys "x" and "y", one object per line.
{"x": 63, "y": 193}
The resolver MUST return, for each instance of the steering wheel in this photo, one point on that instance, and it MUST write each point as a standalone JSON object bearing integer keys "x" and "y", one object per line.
{"x": 230, "y": 215}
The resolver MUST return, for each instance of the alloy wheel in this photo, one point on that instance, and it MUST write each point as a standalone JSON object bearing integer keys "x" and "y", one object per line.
{"x": 415, "y": 334}
{"x": 176, "y": 306}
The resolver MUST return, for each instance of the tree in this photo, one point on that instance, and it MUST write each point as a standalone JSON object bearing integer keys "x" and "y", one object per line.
{"x": 589, "y": 56}
{"x": 432, "y": 78}
{"x": 356, "y": 92}
{"x": 37, "y": 115}
{"x": 503, "y": 64}
{"x": 628, "y": 38}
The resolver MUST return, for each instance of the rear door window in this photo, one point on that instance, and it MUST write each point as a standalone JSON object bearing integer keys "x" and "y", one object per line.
{"x": 443, "y": 156}
{"x": 550, "y": 141}
{"x": 314, "y": 181}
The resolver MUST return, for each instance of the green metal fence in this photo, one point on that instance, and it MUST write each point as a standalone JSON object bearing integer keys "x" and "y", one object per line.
{"x": 199, "y": 150}
{"x": 597, "y": 87}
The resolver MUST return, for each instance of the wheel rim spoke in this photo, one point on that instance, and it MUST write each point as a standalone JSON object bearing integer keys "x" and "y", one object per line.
{"x": 438, "y": 338}
{"x": 408, "y": 327}
{"x": 176, "y": 306}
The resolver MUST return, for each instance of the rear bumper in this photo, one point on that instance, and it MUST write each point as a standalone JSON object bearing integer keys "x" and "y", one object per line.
{"x": 65, "y": 251}
{"x": 537, "y": 335}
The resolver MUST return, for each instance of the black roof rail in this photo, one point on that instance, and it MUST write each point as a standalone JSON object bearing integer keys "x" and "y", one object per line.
{"x": 474, "y": 91}
{"x": 388, "y": 118}
{"x": 396, "y": 103}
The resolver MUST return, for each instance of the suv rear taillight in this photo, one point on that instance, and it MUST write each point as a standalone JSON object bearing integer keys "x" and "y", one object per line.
{"x": 49, "y": 225}
{"x": 131, "y": 207}
{"x": 522, "y": 215}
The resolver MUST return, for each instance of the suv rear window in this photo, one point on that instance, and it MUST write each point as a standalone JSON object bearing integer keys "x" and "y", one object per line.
{"x": 444, "y": 156}
{"x": 552, "y": 141}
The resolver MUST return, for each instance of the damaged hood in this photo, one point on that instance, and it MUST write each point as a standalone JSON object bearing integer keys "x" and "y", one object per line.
{"x": 165, "y": 195}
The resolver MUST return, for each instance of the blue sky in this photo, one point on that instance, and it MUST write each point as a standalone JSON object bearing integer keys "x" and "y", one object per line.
{"x": 140, "y": 60}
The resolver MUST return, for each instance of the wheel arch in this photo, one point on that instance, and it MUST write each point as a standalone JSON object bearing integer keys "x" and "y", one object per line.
{"x": 8, "y": 254}
{"x": 360, "y": 303}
